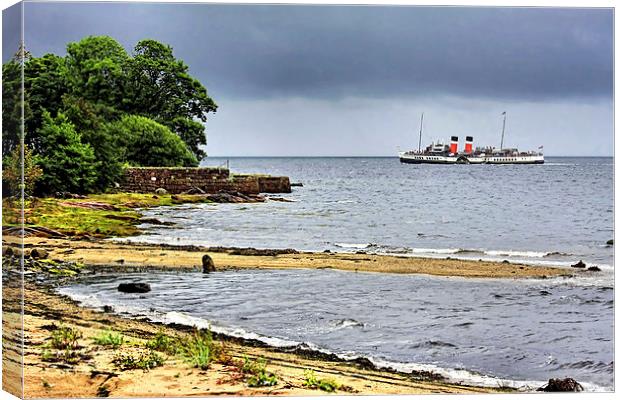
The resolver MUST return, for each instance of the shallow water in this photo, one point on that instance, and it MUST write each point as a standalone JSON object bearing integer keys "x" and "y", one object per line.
{"x": 525, "y": 331}
{"x": 559, "y": 212}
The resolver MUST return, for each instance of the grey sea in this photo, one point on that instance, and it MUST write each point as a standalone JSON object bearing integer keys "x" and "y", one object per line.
{"x": 497, "y": 332}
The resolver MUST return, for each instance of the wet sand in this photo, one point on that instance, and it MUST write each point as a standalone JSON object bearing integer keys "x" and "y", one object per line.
{"x": 109, "y": 253}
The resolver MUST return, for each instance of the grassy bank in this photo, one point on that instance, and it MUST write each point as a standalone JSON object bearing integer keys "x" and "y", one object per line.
{"x": 97, "y": 215}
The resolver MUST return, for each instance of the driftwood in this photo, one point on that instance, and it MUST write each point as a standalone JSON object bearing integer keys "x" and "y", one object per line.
{"x": 92, "y": 205}
{"x": 38, "y": 231}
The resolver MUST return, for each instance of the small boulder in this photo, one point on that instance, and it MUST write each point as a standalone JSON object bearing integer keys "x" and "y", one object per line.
{"x": 580, "y": 264}
{"x": 610, "y": 242}
{"x": 561, "y": 385}
{"x": 7, "y": 251}
{"x": 594, "y": 268}
{"x": 161, "y": 191}
{"x": 135, "y": 287}
{"x": 39, "y": 253}
{"x": 207, "y": 264}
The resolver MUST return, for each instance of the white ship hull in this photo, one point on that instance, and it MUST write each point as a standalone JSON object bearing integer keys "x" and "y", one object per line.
{"x": 420, "y": 158}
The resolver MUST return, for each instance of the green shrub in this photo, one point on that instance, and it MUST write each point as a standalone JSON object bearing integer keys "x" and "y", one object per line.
{"x": 65, "y": 338}
{"x": 150, "y": 144}
{"x": 325, "y": 384}
{"x": 144, "y": 360}
{"x": 12, "y": 172}
{"x": 68, "y": 164}
{"x": 109, "y": 339}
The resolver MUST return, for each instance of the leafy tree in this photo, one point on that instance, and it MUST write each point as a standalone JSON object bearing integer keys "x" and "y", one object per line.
{"x": 162, "y": 89}
{"x": 110, "y": 108}
{"x": 191, "y": 132}
{"x": 148, "y": 143}
{"x": 12, "y": 104}
{"x": 45, "y": 82}
{"x": 67, "y": 163}
{"x": 96, "y": 69}
{"x": 90, "y": 119}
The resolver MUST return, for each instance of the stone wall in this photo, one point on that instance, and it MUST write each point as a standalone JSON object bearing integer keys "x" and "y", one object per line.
{"x": 210, "y": 180}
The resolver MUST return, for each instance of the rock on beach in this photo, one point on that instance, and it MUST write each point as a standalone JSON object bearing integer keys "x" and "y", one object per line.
{"x": 561, "y": 385}
{"x": 207, "y": 264}
{"x": 136, "y": 287}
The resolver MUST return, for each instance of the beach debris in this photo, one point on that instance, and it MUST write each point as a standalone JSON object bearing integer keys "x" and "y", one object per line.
{"x": 544, "y": 293}
{"x": 120, "y": 261}
{"x": 594, "y": 268}
{"x": 580, "y": 264}
{"x": 38, "y": 253}
{"x": 161, "y": 191}
{"x": 561, "y": 385}
{"x": 91, "y": 205}
{"x": 610, "y": 242}
{"x": 155, "y": 221}
{"x": 68, "y": 195}
{"x": 207, "y": 264}
{"x": 194, "y": 190}
{"x": 281, "y": 199}
{"x": 298, "y": 184}
{"x": 38, "y": 231}
{"x": 134, "y": 287}
{"x": 108, "y": 309}
{"x": 251, "y": 251}
{"x": 224, "y": 196}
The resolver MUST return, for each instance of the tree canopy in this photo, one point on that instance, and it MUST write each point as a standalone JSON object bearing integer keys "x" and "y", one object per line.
{"x": 109, "y": 107}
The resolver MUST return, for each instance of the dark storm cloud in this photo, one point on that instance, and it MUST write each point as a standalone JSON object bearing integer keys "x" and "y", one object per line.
{"x": 334, "y": 51}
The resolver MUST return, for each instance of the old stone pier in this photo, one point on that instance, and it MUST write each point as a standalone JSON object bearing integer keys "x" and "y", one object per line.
{"x": 210, "y": 180}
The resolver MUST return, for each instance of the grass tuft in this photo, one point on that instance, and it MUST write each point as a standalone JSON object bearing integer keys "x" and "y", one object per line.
{"x": 199, "y": 350}
{"x": 65, "y": 338}
{"x": 144, "y": 360}
{"x": 164, "y": 343}
{"x": 109, "y": 339}
{"x": 258, "y": 374}
{"x": 324, "y": 384}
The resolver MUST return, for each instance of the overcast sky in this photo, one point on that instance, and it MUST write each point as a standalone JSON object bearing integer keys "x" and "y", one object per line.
{"x": 337, "y": 80}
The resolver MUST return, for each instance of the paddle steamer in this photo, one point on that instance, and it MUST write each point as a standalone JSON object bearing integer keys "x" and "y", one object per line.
{"x": 440, "y": 153}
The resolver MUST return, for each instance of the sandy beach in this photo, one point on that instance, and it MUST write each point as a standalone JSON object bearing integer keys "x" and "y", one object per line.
{"x": 111, "y": 254}
{"x": 96, "y": 375}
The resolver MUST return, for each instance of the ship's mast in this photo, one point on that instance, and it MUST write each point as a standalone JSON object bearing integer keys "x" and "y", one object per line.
{"x": 501, "y": 146}
{"x": 420, "y": 139}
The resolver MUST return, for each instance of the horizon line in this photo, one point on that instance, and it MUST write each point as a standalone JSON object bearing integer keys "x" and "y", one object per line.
{"x": 371, "y": 156}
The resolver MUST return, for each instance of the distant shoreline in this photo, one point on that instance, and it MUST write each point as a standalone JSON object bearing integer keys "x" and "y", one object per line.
{"x": 385, "y": 156}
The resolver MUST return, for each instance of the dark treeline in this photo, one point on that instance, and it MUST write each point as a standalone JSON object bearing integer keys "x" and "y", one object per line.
{"x": 98, "y": 109}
